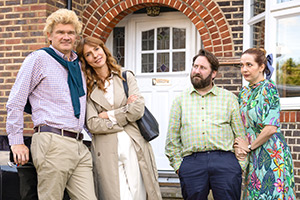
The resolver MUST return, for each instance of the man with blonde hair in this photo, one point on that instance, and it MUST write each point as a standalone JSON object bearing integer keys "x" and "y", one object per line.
{"x": 51, "y": 86}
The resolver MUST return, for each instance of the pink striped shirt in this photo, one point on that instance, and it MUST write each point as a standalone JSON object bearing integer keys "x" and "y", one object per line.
{"x": 45, "y": 82}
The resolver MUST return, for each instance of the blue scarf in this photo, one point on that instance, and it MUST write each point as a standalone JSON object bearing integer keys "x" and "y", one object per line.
{"x": 74, "y": 81}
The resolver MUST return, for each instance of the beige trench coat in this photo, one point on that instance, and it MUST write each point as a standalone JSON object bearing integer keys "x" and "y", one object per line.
{"x": 105, "y": 143}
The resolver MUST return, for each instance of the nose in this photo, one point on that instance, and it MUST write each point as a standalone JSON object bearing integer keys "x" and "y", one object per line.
{"x": 66, "y": 36}
{"x": 243, "y": 68}
{"x": 94, "y": 54}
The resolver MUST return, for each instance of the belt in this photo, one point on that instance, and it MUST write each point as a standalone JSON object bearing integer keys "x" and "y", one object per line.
{"x": 45, "y": 128}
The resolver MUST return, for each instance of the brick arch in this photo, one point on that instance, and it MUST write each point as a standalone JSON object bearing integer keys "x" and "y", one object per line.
{"x": 100, "y": 17}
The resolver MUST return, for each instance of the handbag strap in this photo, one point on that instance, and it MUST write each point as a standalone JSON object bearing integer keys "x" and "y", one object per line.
{"x": 125, "y": 85}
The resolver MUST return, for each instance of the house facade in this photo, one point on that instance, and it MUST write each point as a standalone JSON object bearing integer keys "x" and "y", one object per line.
{"x": 156, "y": 39}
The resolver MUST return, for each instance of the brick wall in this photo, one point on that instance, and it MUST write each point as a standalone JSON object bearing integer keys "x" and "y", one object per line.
{"x": 290, "y": 127}
{"x": 233, "y": 12}
{"x": 21, "y": 25}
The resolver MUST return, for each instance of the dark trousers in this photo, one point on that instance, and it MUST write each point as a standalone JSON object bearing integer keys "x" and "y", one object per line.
{"x": 216, "y": 170}
{"x": 28, "y": 182}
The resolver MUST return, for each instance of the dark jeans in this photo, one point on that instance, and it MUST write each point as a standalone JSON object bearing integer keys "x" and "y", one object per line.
{"x": 216, "y": 170}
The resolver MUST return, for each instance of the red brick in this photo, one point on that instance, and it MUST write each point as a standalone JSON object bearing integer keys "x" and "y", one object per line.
{"x": 206, "y": 43}
{"x": 216, "y": 35}
{"x": 21, "y": 8}
{"x": 217, "y": 42}
{"x": 90, "y": 9}
{"x": 182, "y": 7}
{"x": 228, "y": 54}
{"x": 218, "y": 49}
{"x": 292, "y": 116}
{"x": 227, "y": 41}
{"x": 221, "y": 22}
{"x": 12, "y": 41}
{"x": 226, "y": 34}
{"x": 203, "y": 14}
{"x": 227, "y": 48}
{"x": 298, "y": 116}
{"x": 37, "y": 7}
{"x": 286, "y": 116}
{"x": 218, "y": 17}
{"x": 211, "y": 5}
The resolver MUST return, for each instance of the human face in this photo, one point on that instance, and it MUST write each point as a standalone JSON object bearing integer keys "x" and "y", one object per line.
{"x": 202, "y": 74}
{"x": 251, "y": 71}
{"x": 63, "y": 38}
{"x": 94, "y": 56}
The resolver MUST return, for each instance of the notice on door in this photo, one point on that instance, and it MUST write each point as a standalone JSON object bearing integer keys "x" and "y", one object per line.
{"x": 160, "y": 82}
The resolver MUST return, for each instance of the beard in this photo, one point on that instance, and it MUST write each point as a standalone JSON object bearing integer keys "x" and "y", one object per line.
{"x": 200, "y": 83}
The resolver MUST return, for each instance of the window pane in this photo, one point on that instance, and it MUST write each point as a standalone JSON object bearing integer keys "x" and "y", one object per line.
{"x": 258, "y": 34}
{"x": 163, "y": 62}
{"x": 287, "y": 53}
{"x": 178, "y": 61}
{"x": 119, "y": 45}
{"x": 178, "y": 38}
{"x": 148, "y": 40}
{"x": 147, "y": 62}
{"x": 257, "y": 7}
{"x": 163, "y": 38}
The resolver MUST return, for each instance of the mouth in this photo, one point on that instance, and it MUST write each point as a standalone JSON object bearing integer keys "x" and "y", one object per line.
{"x": 197, "y": 77}
{"x": 98, "y": 60}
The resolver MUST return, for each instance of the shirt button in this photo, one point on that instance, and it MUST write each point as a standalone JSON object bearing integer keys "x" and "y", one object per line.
{"x": 202, "y": 108}
{"x": 99, "y": 154}
{"x": 203, "y": 120}
{"x": 203, "y": 133}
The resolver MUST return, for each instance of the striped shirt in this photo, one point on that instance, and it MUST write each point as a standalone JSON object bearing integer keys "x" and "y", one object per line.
{"x": 202, "y": 123}
{"x": 45, "y": 82}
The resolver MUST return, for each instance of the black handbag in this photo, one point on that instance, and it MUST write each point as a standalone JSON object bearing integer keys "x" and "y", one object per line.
{"x": 147, "y": 124}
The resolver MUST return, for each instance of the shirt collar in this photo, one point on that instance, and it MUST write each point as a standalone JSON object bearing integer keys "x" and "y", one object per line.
{"x": 72, "y": 57}
{"x": 213, "y": 91}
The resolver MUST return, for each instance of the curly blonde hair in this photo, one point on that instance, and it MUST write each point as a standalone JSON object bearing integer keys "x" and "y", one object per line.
{"x": 91, "y": 76}
{"x": 62, "y": 16}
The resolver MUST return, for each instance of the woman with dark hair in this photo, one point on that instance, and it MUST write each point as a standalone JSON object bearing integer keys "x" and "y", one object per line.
{"x": 270, "y": 173}
{"x": 124, "y": 164}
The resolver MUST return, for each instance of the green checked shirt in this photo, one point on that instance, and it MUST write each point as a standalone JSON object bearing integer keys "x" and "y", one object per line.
{"x": 202, "y": 123}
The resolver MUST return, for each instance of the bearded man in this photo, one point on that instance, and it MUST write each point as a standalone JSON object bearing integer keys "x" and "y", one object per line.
{"x": 204, "y": 121}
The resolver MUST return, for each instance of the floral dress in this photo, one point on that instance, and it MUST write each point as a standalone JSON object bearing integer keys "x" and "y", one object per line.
{"x": 269, "y": 174}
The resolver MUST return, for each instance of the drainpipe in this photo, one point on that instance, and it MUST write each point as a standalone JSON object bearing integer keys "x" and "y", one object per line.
{"x": 69, "y": 4}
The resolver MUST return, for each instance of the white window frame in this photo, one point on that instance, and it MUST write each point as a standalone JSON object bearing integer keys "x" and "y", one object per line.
{"x": 273, "y": 12}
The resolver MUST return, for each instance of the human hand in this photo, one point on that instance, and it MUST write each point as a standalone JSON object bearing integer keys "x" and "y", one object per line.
{"x": 132, "y": 98}
{"x": 240, "y": 154}
{"x": 103, "y": 115}
{"x": 20, "y": 153}
{"x": 241, "y": 143}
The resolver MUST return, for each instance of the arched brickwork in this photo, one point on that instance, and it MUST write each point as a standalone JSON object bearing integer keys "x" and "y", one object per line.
{"x": 100, "y": 17}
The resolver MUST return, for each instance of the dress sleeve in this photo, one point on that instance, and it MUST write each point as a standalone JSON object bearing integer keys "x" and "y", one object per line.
{"x": 271, "y": 105}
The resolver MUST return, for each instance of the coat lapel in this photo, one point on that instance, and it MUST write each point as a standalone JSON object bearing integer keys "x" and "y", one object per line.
{"x": 97, "y": 96}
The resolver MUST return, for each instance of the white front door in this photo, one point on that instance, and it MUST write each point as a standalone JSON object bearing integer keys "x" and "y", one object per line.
{"x": 160, "y": 50}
